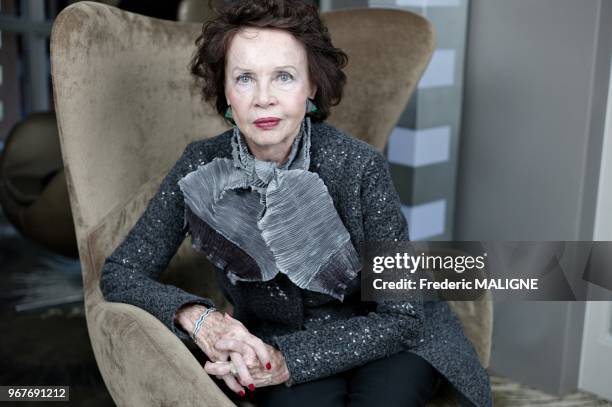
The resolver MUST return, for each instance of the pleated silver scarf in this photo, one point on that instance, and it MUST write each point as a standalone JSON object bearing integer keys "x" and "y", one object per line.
{"x": 282, "y": 216}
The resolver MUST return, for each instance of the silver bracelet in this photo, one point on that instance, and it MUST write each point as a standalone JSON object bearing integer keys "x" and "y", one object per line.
{"x": 199, "y": 321}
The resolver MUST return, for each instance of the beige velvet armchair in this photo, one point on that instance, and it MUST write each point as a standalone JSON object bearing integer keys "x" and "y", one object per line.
{"x": 126, "y": 108}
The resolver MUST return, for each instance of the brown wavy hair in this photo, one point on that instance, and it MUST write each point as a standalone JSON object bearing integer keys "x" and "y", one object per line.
{"x": 302, "y": 20}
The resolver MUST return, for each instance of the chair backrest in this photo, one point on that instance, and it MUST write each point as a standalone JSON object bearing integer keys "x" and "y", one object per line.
{"x": 388, "y": 52}
{"x": 127, "y": 105}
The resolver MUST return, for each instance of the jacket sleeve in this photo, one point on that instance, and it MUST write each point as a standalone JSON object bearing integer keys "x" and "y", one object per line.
{"x": 130, "y": 274}
{"x": 389, "y": 328}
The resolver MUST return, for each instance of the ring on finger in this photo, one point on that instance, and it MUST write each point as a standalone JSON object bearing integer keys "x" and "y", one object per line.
{"x": 233, "y": 370}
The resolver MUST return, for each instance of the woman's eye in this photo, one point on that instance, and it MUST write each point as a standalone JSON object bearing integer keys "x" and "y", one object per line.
{"x": 243, "y": 79}
{"x": 285, "y": 77}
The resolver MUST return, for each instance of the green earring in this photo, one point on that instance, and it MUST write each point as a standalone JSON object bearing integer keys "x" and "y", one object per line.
{"x": 310, "y": 106}
{"x": 228, "y": 115}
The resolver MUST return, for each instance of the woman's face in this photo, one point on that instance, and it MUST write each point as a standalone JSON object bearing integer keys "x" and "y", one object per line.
{"x": 266, "y": 77}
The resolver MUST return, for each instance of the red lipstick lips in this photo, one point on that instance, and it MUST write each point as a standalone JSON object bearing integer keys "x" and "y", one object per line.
{"x": 267, "y": 123}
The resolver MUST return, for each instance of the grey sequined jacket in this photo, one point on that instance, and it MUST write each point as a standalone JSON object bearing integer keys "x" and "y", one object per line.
{"x": 317, "y": 334}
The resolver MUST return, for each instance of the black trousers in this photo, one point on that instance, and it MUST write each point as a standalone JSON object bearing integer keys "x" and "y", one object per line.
{"x": 403, "y": 379}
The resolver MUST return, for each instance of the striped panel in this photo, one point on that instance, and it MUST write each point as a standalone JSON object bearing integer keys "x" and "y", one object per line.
{"x": 422, "y": 149}
{"x": 440, "y": 71}
{"x": 425, "y": 220}
{"x": 416, "y": 148}
{"x": 417, "y": 185}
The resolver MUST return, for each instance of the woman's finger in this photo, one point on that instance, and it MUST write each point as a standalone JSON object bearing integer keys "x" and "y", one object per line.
{"x": 220, "y": 355}
{"x": 262, "y": 378}
{"x": 261, "y": 350}
{"x": 235, "y": 345}
{"x": 238, "y": 331}
{"x": 224, "y": 368}
{"x": 213, "y": 354}
{"x": 217, "y": 368}
{"x": 244, "y": 376}
{"x": 233, "y": 384}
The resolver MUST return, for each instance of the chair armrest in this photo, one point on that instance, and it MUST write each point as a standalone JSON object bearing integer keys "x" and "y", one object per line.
{"x": 477, "y": 320}
{"x": 144, "y": 364}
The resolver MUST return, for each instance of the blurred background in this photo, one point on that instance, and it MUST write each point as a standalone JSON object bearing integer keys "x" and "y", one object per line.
{"x": 507, "y": 137}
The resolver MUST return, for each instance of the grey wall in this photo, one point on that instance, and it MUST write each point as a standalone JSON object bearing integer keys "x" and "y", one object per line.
{"x": 534, "y": 97}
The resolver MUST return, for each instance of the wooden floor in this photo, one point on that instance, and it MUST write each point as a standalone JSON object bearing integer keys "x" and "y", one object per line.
{"x": 511, "y": 394}
{"x": 44, "y": 337}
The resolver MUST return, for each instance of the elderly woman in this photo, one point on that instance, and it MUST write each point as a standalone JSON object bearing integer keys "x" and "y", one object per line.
{"x": 280, "y": 204}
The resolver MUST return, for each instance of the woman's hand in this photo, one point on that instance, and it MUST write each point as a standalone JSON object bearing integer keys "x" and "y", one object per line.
{"x": 215, "y": 327}
{"x": 258, "y": 375}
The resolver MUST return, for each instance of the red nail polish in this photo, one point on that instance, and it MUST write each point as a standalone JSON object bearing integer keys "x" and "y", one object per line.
{"x": 252, "y": 387}
{"x": 242, "y": 393}
{"x": 268, "y": 366}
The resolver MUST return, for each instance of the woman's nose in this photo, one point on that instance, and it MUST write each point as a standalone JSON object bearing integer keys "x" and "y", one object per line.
{"x": 264, "y": 95}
